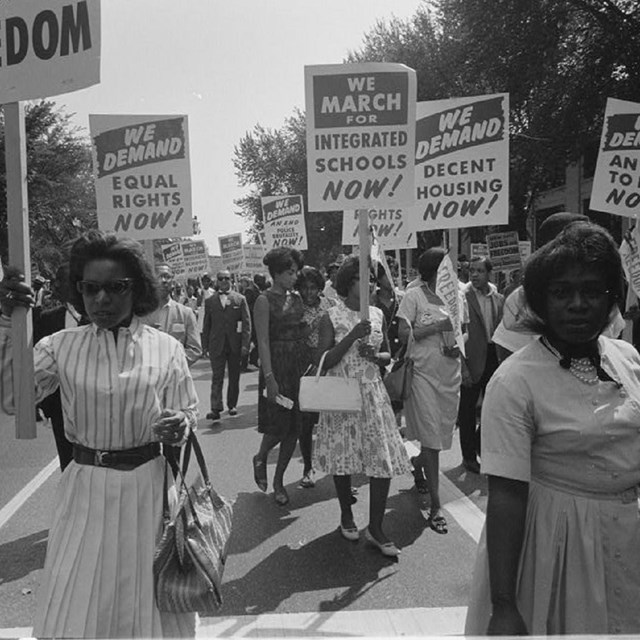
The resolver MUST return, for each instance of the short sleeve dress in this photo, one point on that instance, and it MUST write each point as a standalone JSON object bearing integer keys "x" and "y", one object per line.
{"x": 431, "y": 409}
{"x": 578, "y": 447}
{"x": 366, "y": 442}
{"x": 287, "y": 331}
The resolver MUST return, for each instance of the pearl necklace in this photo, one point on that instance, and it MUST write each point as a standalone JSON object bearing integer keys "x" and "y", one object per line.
{"x": 581, "y": 368}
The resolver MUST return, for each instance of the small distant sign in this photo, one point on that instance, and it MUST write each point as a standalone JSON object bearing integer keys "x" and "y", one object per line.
{"x": 504, "y": 250}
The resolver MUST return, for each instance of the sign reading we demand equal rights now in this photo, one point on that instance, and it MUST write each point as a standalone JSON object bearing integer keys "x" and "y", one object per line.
{"x": 360, "y": 135}
{"x": 616, "y": 183}
{"x": 462, "y": 162}
{"x": 142, "y": 176}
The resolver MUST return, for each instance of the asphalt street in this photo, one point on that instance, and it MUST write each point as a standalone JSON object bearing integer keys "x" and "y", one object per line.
{"x": 282, "y": 560}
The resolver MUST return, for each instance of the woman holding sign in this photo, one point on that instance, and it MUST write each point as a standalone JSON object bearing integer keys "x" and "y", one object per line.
{"x": 125, "y": 389}
{"x": 432, "y": 406}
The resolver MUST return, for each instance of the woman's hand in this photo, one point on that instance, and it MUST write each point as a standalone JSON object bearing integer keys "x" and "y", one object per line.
{"x": 14, "y": 292}
{"x": 452, "y": 351}
{"x": 171, "y": 427}
{"x": 445, "y": 325}
{"x": 272, "y": 388}
{"x": 361, "y": 330}
{"x": 506, "y": 621}
{"x": 367, "y": 351}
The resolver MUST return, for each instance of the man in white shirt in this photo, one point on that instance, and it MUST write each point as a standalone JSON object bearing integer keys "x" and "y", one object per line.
{"x": 485, "y": 306}
{"x": 174, "y": 318}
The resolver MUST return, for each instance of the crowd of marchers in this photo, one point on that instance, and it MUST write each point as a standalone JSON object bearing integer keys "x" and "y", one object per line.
{"x": 544, "y": 393}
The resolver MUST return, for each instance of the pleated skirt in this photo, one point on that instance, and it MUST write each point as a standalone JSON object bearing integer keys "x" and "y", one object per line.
{"x": 98, "y": 576}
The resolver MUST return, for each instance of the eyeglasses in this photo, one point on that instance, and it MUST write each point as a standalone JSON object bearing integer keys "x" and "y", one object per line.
{"x": 590, "y": 293}
{"x": 111, "y": 287}
{"x": 224, "y": 278}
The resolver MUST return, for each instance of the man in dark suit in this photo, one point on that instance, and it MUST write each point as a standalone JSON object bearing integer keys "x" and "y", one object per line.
{"x": 226, "y": 335}
{"x": 480, "y": 361}
{"x": 63, "y": 316}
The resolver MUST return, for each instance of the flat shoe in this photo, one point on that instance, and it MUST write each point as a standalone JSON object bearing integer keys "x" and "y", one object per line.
{"x": 350, "y": 533}
{"x": 307, "y": 482}
{"x": 260, "y": 473}
{"x": 281, "y": 496}
{"x": 437, "y": 523}
{"x": 387, "y": 549}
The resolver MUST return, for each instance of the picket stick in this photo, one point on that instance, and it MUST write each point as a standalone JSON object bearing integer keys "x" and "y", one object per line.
{"x": 399, "y": 276}
{"x": 20, "y": 257}
{"x": 363, "y": 232}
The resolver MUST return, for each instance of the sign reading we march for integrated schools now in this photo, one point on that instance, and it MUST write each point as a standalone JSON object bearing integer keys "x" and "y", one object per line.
{"x": 391, "y": 226}
{"x": 360, "y": 135}
{"x": 142, "y": 176}
{"x": 616, "y": 183}
{"x": 48, "y": 47}
{"x": 186, "y": 257}
{"x": 462, "y": 162}
{"x": 283, "y": 218}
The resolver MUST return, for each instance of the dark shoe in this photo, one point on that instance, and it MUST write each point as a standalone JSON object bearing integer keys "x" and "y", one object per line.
{"x": 418, "y": 477}
{"x": 213, "y": 415}
{"x": 385, "y": 548}
{"x": 260, "y": 473}
{"x": 233, "y": 412}
{"x": 471, "y": 465}
{"x": 436, "y": 521}
{"x": 281, "y": 496}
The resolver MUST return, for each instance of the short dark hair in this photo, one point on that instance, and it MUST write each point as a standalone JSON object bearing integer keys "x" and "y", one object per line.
{"x": 348, "y": 273}
{"x": 485, "y": 260}
{"x": 555, "y": 223}
{"x": 280, "y": 259}
{"x": 98, "y": 245}
{"x": 310, "y": 275}
{"x": 429, "y": 261}
{"x": 582, "y": 244}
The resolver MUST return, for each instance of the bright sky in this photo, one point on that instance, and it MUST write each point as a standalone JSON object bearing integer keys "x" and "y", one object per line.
{"x": 228, "y": 66}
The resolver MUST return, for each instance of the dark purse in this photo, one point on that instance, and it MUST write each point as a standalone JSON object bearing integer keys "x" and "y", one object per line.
{"x": 398, "y": 380}
{"x": 190, "y": 558}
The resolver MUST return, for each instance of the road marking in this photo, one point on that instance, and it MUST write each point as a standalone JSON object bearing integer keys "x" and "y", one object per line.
{"x": 463, "y": 510}
{"x": 388, "y": 623}
{"x": 26, "y": 492}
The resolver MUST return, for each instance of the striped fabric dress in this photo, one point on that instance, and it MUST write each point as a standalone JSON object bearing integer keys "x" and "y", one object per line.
{"x": 98, "y": 575}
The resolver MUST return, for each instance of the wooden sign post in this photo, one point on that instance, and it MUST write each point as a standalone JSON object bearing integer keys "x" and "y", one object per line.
{"x": 365, "y": 248}
{"x": 20, "y": 257}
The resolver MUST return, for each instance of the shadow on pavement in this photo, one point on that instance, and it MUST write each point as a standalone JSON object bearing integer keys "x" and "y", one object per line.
{"x": 468, "y": 482}
{"x": 20, "y": 557}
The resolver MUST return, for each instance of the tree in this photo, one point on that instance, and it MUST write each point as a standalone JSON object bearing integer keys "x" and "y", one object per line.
{"x": 59, "y": 184}
{"x": 274, "y": 162}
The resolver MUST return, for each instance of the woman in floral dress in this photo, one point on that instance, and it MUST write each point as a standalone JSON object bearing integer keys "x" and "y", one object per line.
{"x": 367, "y": 442}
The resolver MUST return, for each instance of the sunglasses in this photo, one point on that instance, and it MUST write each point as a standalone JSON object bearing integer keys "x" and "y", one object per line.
{"x": 224, "y": 278}
{"x": 111, "y": 287}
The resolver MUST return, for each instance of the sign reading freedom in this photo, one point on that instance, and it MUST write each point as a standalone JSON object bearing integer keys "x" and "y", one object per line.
{"x": 48, "y": 47}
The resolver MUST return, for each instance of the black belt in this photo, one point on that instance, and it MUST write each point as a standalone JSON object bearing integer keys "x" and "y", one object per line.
{"x": 122, "y": 460}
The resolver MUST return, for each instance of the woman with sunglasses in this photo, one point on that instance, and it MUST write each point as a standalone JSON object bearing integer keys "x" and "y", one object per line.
{"x": 560, "y": 553}
{"x": 125, "y": 389}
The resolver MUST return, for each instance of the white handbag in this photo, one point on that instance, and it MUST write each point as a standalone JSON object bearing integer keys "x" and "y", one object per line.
{"x": 330, "y": 393}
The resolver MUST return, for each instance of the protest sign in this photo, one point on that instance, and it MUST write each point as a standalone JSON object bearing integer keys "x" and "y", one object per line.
{"x": 616, "y": 183}
{"x": 231, "y": 252}
{"x": 283, "y": 218}
{"x": 173, "y": 256}
{"x": 448, "y": 290}
{"x": 462, "y": 162}
{"x": 215, "y": 265}
{"x": 196, "y": 257}
{"x": 360, "y": 135}
{"x": 253, "y": 255}
{"x": 478, "y": 250}
{"x": 48, "y": 47}
{"x": 392, "y": 227}
{"x": 504, "y": 250}
{"x": 525, "y": 250}
{"x": 142, "y": 176}
{"x": 630, "y": 255}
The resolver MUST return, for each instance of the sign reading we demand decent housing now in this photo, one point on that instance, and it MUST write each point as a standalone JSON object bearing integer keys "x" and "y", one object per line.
{"x": 142, "y": 176}
{"x": 462, "y": 162}
{"x": 360, "y": 135}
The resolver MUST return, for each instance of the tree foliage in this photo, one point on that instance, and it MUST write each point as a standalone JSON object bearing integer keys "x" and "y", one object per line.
{"x": 59, "y": 184}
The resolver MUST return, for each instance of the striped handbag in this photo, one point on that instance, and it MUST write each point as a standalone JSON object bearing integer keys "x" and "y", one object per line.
{"x": 190, "y": 557}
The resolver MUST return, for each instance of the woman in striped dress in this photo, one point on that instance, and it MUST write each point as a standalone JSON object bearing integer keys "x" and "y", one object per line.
{"x": 125, "y": 388}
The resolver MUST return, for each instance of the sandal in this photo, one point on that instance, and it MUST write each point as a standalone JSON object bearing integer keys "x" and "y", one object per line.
{"x": 437, "y": 522}
{"x": 281, "y": 496}
{"x": 307, "y": 482}
{"x": 260, "y": 473}
{"x": 418, "y": 478}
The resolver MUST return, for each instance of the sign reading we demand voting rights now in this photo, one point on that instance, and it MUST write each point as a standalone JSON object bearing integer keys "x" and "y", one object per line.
{"x": 360, "y": 135}
{"x": 142, "y": 176}
{"x": 462, "y": 162}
